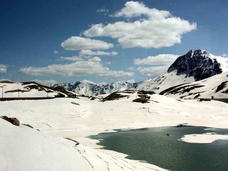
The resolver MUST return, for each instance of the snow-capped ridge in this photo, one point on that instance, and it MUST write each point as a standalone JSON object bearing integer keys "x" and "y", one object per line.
{"x": 212, "y": 87}
{"x": 89, "y": 88}
{"x": 10, "y": 89}
{"x": 195, "y": 65}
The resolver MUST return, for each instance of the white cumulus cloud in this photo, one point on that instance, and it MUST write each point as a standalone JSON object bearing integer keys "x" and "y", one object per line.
{"x": 71, "y": 58}
{"x": 3, "y": 68}
{"x": 97, "y": 53}
{"x": 91, "y": 66}
{"x": 157, "y": 29}
{"x": 158, "y": 64}
{"x": 136, "y": 9}
{"x": 161, "y": 59}
{"x": 81, "y": 43}
{"x": 152, "y": 71}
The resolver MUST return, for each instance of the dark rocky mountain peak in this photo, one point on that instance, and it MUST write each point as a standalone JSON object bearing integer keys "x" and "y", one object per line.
{"x": 196, "y": 63}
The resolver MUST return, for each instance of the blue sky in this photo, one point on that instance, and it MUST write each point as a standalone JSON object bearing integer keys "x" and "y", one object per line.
{"x": 51, "y": 39}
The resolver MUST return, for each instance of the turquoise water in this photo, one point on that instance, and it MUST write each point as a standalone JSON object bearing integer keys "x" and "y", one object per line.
{"x": 160, "y": 146}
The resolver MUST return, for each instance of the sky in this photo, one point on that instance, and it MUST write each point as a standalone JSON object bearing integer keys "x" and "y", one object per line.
{"x": 105, "y": 40}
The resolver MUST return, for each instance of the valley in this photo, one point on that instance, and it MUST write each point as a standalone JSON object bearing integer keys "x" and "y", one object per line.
{"x": 65, "y": 118}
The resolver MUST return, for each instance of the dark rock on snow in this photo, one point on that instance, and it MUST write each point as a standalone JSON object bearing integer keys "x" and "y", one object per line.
{"x": 13, "y": 121}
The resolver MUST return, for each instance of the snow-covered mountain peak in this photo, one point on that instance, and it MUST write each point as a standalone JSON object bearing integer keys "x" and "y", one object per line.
{"x": 195, "y": 65}
{"x": 198, "y": 64}
{"x": 198, "y": 52}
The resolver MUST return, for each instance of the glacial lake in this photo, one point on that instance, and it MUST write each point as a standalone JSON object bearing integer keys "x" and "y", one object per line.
{"x": 162, "y": 147}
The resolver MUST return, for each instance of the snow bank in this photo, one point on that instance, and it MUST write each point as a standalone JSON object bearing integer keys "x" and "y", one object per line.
{"x": 203, "y": 138}
{"x": 61, "y": 117}
{"x": 25, "y": 149}
{"x": 17, "y": 89}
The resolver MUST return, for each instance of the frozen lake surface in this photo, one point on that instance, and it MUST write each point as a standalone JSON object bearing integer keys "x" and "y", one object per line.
{"x": 162, "y": 146}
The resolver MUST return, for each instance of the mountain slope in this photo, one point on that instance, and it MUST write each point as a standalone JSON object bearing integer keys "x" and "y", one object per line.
{"x": 10, "y": 89}
{"x": 215, "y": 86}
{"x": 26, "y": 149}
{"x": 193, "y": 66}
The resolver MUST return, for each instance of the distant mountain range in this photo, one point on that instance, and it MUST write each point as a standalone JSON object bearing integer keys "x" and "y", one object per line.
{"x": 89, "y": 88}
{"x": 193, "y": 75}
{"x": 195, "y": 65}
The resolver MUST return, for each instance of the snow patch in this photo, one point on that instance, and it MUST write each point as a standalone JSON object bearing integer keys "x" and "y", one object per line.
{"x": 203, "y": 138}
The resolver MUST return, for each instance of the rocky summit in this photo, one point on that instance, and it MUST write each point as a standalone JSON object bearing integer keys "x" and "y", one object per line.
{"x": 196, "y": 63}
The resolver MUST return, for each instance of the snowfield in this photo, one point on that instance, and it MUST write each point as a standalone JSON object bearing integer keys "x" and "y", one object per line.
{"x": 18, "y": 89}
{"x": 79, "y": 118}
{"x": 216, "y": 86}
{"x": 26, "y": 149}
{"x": 203, "y": 138}
{"x": 164, "y": 81}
